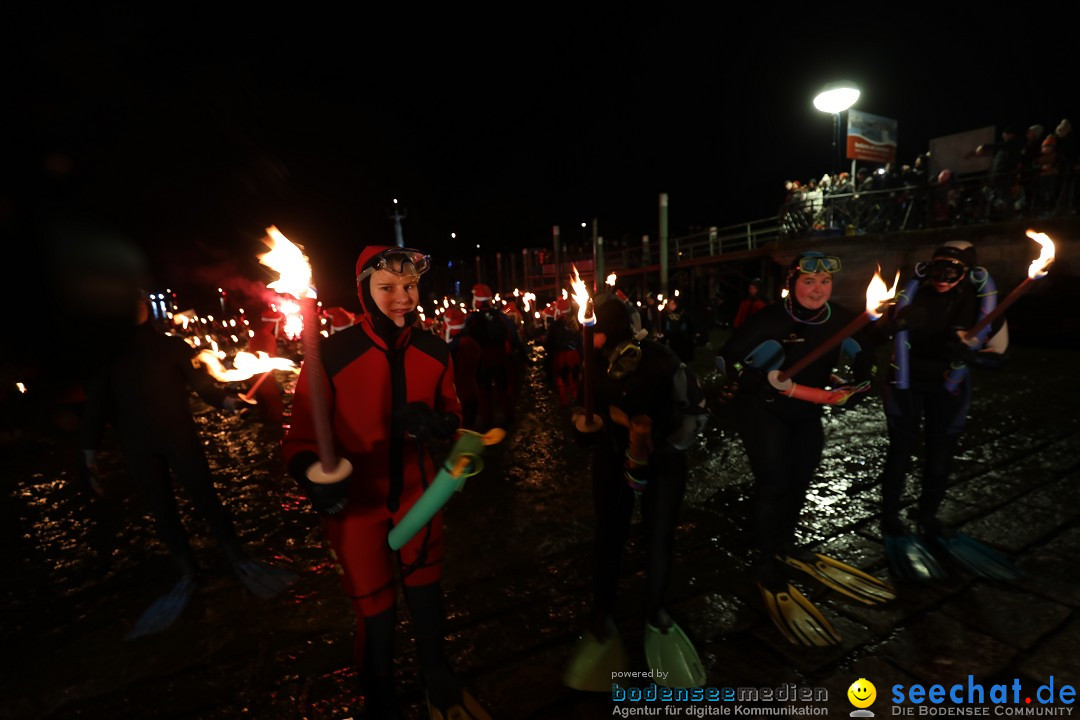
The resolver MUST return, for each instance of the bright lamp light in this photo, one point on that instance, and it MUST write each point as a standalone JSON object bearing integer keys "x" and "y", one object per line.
{"x": 836, "y": 97}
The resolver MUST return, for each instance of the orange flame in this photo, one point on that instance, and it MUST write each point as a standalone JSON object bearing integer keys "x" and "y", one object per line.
{"x": 581, "y": 297}
{"x": 245, "y": 365}
{"x": 1041, "y": 264}
{"x": 290, "y": 263}
{"x": 877, "y": 295}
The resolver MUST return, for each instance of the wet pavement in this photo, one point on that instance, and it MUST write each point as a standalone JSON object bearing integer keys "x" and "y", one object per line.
{"x": 80, "y": 569}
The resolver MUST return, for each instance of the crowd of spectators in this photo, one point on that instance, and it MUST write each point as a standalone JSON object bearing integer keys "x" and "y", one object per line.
{"x": 1031, "y": 174}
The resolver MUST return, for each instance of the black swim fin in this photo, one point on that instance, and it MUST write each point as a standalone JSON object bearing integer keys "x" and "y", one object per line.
{"x": 263, "y": 579}
{"x": 164, "y": 611}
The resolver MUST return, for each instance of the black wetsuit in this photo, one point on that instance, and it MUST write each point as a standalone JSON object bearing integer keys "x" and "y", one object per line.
{"x": 783, "y": 437}
{"x": 931, "y": 320}
{"x": 144, "y": 391}
{"x": 669, "y": 394}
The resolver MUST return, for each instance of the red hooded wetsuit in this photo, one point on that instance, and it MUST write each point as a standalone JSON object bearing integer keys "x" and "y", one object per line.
{"x": 366, "y": 380}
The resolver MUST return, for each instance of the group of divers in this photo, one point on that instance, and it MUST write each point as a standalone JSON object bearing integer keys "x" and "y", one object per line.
{"x": 777, "y": 381}
{"x": 391, "y": 403}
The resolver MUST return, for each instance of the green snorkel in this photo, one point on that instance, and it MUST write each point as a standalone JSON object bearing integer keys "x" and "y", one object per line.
{"x": 462, "y": 463}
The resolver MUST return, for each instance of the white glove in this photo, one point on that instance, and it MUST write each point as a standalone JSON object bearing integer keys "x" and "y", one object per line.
{"x": 317, "y": 475}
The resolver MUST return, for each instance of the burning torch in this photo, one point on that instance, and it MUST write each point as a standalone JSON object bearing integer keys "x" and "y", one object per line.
{"x": 1038, "y": 269}
{"x": 295, "y": 279}
{"x": 589, "y": 421}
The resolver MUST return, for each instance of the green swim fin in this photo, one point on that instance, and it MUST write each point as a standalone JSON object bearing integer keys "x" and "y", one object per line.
{"x": 263, "y": 579}
{"x": 840, "y": 577}
{"x": 672, "y": 657}
{"x": 978, "y": 558}
{"x": 912, "y": 560}
{"x": 594, "y": 660}
{"x": 164, "y": 611}
{"x": 797, "y": 618}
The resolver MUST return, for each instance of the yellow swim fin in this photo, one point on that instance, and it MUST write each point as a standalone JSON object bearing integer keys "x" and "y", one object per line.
{"x": 797, "y": 618}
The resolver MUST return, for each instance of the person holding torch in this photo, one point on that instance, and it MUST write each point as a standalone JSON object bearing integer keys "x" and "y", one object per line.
{"x": 652, "y": 410}
{"x": 930, "y": 385}
{"x": 781, "y": 432}
{"x": 388, "y": 389}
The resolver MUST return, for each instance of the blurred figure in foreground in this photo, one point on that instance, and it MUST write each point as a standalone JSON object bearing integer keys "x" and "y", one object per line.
{"x": 143, "y": 391}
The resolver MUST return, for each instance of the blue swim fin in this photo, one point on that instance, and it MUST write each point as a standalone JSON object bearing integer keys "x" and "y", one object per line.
{"x": 164, "y": 611}
{"x": 913, "y": 560}
{"x": 978, "y": 558}
{"x": 263, "y": 579}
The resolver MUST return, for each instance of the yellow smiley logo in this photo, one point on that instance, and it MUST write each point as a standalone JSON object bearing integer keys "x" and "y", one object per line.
{"x": 862, "y": 693}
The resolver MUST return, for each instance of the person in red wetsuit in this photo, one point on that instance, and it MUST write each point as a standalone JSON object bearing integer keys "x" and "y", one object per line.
{"x": 389, "y": 388}
{"x": 750, "y": 304}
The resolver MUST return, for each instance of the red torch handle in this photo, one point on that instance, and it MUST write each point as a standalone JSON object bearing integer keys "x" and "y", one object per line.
{"x": 587, "y": 363}
{"x": 1001, "y": 307}
{"x": 251, "y": 391}
{"x": 316, "y": 385}
{"x": 848, "y": 330}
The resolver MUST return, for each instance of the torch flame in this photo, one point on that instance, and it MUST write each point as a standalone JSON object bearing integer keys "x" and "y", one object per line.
{"x": 1039, "y": 265}
{"x": 290, "y": 263}
{"x": 528, "y": 298}
{"x": 610, "y": 280}
{"x": 877, "y": 295}
{"x": 245, "y": 365}
{"x": 581, "y": 297}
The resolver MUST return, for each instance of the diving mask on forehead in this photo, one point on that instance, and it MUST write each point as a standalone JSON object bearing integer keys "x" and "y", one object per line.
{"x": 819, "y": 263}
{"x": 400, "y": 261}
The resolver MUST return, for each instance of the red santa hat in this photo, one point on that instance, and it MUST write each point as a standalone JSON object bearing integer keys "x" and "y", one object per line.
{"x": 340, "y": 318}
{"x": 272, "y": 316}
{"x": 454, "y": 317}
{"x": 481, "y": 293}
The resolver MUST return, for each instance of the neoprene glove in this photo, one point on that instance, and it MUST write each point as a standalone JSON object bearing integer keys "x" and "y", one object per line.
{"x": 958, "y": 352}
{"x": 327, "y": 499}
{"x": 237, "y": 403}
{"x": 420, "y": 421}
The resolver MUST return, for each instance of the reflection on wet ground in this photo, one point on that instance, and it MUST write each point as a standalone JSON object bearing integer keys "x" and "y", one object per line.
{"x": 80, "y": 568}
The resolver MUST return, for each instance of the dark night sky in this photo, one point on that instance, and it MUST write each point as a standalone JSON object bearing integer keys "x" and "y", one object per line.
{"x": 188, "y": 135}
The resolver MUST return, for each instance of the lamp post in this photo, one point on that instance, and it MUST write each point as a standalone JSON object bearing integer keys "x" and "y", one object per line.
{"x": 835, "y": 98}
{"x": 397, "y": 214}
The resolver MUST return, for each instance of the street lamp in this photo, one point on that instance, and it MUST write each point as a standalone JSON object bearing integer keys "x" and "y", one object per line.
{"x": 835, "y": 98}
